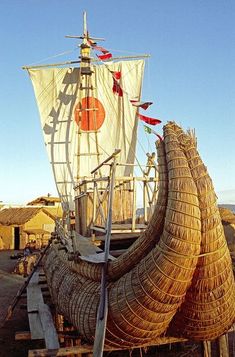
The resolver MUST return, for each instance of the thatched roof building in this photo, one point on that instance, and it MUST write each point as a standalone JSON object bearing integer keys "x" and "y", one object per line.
{"x": 20, "y": 225}
{"x": 45, "y": 201}
{"x": 17, "y": 216}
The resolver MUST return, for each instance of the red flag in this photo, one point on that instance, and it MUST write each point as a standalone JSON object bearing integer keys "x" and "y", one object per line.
{"x": 105, "y": 57}
{"x": 101, "y": 49}
{"x": 97, "y": 48}
{"x": 159, "y": 136}
{"x": 117, "y": 88}
{"x": 116, "y": 75}
{"x": 151, "y": 121}
{"x": 143, "y": 105}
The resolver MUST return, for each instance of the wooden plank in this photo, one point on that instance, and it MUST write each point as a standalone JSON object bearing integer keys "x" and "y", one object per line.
{"x": 121, "y": 228}
{"x": 34, "y": 298}
{"x": 128, "y": 226}
{"x": 22, "y": 335}
{"x": 68, "y": 351}
{"x": 26, "y": 335}
{"x": 115, "y": 153}
{"x": 64, "y": 351}
{"x": 145, "y": 202}
{"x": 133, "y": 224}
{"x": 101, "y": 323}
{"x": 120, "y": 237}
{"x": 33, "y": 293}
{"x": 85, "y": 246}
{"x": 102, "y": 312}
{"x": 85, "y": 348}
{"x": 223, "y": 346}
{"x": 50, "y": 334}
{"x": 96, "y": 258}
{"x": 207, "y": 349}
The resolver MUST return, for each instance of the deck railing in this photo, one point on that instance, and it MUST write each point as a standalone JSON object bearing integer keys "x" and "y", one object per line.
{"x": 125, "y": 191}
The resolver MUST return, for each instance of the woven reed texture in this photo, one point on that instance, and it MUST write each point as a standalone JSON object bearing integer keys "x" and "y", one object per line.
{"x": 209, "y": 307}
{"x": 182, "y": 277}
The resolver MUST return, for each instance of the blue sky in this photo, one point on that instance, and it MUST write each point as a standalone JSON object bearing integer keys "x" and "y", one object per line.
{"x": 190, "y": 76}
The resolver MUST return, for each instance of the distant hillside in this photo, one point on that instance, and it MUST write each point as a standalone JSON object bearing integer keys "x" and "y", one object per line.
{"x": 228, "y": 206}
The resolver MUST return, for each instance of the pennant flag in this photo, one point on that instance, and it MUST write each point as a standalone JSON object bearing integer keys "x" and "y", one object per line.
{"x": 105, "y": 56}
{"x": 101, "y": 49}
{"x": 151, "y": 131}
{"x": 147, "y": 129}
{"x": 117, "y": 88}
{"x": 148, "y": 120}
{"x": 138, "y": 104}
{"x": 116, "y": 75}
{"x": 97, "y": 48}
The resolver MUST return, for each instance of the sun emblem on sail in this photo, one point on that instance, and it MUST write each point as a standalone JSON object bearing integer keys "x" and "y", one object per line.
{"x": 89, "y": 114}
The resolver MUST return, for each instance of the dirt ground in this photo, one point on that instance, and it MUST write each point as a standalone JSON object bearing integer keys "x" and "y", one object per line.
{"x": 9, "y": 285}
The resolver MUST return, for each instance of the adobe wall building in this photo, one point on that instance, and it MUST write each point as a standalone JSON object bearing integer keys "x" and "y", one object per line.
{"x": 34, "y": 222}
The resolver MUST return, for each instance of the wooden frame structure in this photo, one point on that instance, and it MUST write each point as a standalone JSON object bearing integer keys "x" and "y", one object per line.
{"x": 93, "y": 195}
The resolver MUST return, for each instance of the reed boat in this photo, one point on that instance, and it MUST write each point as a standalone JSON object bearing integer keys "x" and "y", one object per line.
{"x": 175, "y": 274}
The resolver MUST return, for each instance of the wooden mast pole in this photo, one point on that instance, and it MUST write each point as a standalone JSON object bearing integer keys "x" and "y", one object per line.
{"x": 102, "y": 313}
{"x": 84, "y": 82}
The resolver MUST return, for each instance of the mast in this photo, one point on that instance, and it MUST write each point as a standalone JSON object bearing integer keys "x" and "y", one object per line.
{"x": 86, "y": 91}
{"x": 85, "y": 49}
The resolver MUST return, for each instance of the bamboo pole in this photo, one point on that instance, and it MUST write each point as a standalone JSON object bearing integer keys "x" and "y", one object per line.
{"x": 223, "y": 346}
{"x": 76, "y": 62}
{"x": 133, "y": 206}
{"x": 103, "y": 305}
{"x": 207, "y": 349}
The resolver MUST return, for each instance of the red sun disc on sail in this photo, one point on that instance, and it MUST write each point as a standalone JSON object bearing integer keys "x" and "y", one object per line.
{"x": 89, "y": 114}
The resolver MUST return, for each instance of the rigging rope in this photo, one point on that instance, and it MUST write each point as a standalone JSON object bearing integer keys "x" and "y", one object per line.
{"x": 54, "y": 56}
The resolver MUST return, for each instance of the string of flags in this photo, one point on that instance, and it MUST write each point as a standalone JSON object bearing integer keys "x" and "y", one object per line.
{"x": 105, "y": 56}
{"x": 149, "y": 130}
{"x": 117, "y": 89}
{"x": 138, "y": 104}
{"x": 148, "y": 120}
{"x": 105, "y": 53}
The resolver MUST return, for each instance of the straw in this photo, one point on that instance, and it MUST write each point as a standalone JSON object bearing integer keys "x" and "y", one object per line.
{"x": 209, "y": 307}
{"x": 178, "y": 273}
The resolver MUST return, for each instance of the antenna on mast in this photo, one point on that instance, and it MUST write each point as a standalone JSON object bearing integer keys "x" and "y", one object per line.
{"x": 85, "y": 37}
{"x": 85, "y": 52}
{"x": 85, "y": 32}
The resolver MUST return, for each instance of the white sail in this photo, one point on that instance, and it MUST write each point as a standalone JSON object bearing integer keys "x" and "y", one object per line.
{"x": 83, "y": 120}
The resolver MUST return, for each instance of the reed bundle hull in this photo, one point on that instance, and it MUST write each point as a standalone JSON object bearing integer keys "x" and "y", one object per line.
{"x": 177, "y": 277}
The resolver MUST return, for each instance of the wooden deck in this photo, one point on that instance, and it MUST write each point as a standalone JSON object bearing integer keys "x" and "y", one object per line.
{"x": 39, "y": 315}
{"x": 121, "y": 228}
